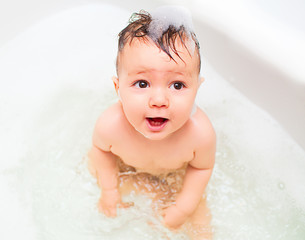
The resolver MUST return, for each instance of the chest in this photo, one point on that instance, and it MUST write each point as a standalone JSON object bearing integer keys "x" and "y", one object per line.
{"x": 153, "y": 156}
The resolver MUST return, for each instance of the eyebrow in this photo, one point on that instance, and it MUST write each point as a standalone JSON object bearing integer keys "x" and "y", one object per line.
{"x": 151, "y": 70}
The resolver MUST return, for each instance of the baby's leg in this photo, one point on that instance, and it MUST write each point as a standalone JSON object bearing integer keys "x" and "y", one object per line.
{"x": 198, "y": 226}
{"x": 200, "y": 222}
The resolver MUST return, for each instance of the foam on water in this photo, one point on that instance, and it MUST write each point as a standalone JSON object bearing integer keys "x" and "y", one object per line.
{"x": 256, "y": 191}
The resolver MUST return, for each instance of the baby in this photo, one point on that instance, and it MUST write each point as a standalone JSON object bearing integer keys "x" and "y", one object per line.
{"x": 155, "y": 126}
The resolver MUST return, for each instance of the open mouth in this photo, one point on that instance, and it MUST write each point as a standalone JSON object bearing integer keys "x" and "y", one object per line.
{"x": 156, "y": 123}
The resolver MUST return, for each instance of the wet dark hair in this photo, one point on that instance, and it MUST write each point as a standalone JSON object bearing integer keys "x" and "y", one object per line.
{"x": 138, "y": 28}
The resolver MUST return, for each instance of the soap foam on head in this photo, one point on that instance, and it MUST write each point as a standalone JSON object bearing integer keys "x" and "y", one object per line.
{"x": 166, "y": 16}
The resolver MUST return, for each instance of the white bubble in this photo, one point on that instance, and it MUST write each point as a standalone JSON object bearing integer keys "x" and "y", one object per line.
{"x": 165, "y": 16}
{"x": 281, "y": 185}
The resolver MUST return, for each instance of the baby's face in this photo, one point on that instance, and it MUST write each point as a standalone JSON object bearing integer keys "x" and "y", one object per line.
{"x": 157, "y": 94}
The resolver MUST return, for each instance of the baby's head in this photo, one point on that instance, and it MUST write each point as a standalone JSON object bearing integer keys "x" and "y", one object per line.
{"x": 166, "y": 27}
{"x": 158, "y": 66}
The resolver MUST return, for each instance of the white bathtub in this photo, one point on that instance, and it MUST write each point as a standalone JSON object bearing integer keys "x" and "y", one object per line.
{"x": 267, "y": 71}
{"x": 257, "y": 46}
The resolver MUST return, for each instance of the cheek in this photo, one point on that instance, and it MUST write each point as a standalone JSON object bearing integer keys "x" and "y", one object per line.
{"x": 180, "y": 114}
{"x": 183, "y": 109}
{"x": 184, "y": 104}
{"x": 133, "y": 107}
{"x": 132, "y": 100}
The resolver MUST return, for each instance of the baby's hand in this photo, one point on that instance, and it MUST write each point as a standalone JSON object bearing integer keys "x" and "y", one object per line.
{"x": 173, "y": 217}
{"x": 109, "y": 201}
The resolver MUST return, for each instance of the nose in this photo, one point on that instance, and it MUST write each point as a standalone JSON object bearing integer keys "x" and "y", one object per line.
{"x": 158, "y": 99}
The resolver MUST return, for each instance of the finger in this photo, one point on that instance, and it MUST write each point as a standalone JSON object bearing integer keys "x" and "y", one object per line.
{"x": 112, "y": 212}
{"x": 107, "y": 212}
{"x": 104, "y": 210}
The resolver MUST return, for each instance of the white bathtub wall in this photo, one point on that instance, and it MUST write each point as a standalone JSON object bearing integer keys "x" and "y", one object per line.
{"x": 16, "y": 15}
{"x": 257, "y": 45}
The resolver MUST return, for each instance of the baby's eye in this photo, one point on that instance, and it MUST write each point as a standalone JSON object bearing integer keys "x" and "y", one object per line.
{"x": 141, "y": 84}
{"x": 177, "y": 85}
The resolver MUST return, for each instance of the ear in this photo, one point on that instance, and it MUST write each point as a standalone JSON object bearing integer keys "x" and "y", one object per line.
{"x": 201, "y": 80}
{"x": 116, "y": 84}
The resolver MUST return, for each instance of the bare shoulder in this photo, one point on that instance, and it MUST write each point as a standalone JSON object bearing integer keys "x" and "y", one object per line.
{"x": 203, "y": 128}
{"x": 106, "y": 127}
{"x": 204, "y": 138}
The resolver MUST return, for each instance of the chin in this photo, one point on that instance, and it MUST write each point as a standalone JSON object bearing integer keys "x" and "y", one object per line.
{"x": 155, "y": 136}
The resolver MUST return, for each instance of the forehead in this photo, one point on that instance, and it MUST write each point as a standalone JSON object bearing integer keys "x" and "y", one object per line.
{"x": 143, "y": 54}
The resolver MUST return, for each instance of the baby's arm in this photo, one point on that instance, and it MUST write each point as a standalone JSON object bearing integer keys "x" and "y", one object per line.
{"x": 105, "y": 165}
{"x": 106, "y": 174}
{"x": 187, "y": 201}
{"x": 196, "y": 179}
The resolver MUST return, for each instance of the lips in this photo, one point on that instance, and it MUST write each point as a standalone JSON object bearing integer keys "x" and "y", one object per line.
{"x": 157, "y": 123}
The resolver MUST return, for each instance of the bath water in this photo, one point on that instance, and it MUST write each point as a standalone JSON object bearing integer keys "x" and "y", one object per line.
{"x": 256, "y": 191}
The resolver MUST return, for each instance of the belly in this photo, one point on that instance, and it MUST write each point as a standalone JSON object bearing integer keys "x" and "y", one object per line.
{"x": 152, "y": 169}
